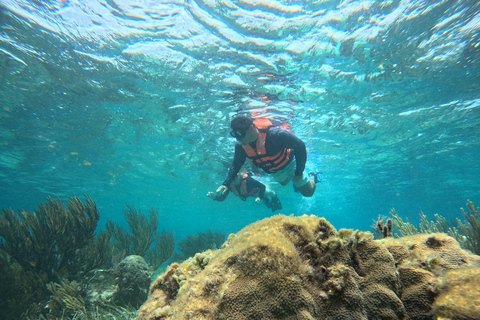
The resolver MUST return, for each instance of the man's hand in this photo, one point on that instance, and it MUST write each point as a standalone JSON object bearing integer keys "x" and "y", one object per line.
{"x": 211, "y": 195}
{"x": 257, "y": 200}
{"x": 221, "y": 190}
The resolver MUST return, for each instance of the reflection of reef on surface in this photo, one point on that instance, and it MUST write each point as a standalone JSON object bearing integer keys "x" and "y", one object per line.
{"x": 302, "y": 268}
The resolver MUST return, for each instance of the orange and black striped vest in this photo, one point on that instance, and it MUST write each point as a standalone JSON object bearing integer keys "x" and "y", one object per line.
{"x": 259, "y": 157}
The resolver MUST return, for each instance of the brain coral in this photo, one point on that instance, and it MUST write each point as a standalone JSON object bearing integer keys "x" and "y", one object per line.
{"x": 459, "y": 294}
{"x": 424, "y": 262}
{"x": 302, "y": 268}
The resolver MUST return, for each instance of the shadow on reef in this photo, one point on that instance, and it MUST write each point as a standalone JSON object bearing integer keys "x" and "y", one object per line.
{"x": 52, "y": 265}
{"x": 303, "y": 268}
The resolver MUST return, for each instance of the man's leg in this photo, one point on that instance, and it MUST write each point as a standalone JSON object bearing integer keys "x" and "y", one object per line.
{"x": 308, "y": 189}
{"x": 268, "y": 192}
{"x": 277, "y": 205}
{"x": 267, "y": 202}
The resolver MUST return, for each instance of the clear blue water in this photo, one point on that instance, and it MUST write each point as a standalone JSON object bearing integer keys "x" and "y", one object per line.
{"x": 129, "y": 102}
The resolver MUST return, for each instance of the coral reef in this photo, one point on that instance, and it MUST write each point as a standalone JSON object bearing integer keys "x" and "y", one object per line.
{"x": 143, "y": 238}
{"x": 45, "y": 246}
{"x": 422, "y": 261}
{"x": 103, "y": 291}
{"x": 47, "y": 258}
{"x": 197, "y": 243}
{"x": 105, "y": 313}
{"x": 303, "y": 268}
{"x": 459, "y": 294}
{"x": 126, "y": 284}
{"x": 467, "y": 233}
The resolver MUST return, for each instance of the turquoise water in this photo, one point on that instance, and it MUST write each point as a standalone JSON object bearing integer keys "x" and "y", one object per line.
{"x": 129, "y": 102}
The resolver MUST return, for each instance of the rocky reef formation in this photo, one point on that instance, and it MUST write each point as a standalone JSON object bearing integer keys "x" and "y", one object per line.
{"x": 303, "y": 268}
{"x": 125, "y": 284}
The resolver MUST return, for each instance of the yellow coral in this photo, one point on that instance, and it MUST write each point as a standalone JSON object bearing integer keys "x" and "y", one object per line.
{"x": 459, "y": 294}
{"x": 302, "y": 268}
{"x": 278, "y": 268}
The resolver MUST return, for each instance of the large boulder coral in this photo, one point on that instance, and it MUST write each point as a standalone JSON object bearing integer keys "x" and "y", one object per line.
{"x": 303, "y": 268}
{"x": 426, "y": 263}
{"x": 125, "y": 284}
{"x": 459, "y": 294}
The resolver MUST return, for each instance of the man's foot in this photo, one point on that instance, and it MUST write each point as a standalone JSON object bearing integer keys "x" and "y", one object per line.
{"x": 267, "y": 202}
{"x": 316, "y": 176}
{"x": 276, "y": 204}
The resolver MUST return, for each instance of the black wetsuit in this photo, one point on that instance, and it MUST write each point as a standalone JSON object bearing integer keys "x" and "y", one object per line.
{"x": 276, "y": 139}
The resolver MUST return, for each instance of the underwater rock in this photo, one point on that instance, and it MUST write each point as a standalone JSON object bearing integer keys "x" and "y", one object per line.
{"x": 303, "y": 268}
{"x": 125, "y": 285}
{"x": 134, "y": 276}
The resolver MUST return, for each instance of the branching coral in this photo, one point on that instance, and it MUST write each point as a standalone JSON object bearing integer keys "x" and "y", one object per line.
{"x": 17, "y": 287}
{"x": 66, "y": 299}
{"x": 163, "y": 249}
{"x": 98, "y": 253}
{"x": 198, "y": 243}
{"x": 143, "y": 238}
{"x": 51, "y": 243}
{"x": 47, "y": 240}
{"x": 43, "y": 253}
{"x": 467, "y": 233}
{"x": 471, "y": 231}
{"x": 439, "y": 225}
{"x": 404, "y": 228}
{"x": 143, "y": 231}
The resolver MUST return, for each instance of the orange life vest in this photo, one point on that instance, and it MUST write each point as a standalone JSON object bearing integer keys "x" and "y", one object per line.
{"x": 259, "y": 156}
{"x": 242, "y": 191}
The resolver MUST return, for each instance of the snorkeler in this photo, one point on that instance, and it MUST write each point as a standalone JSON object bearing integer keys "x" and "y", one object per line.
{"x": 276, "y": 151}
{"x": 245, "y": 186}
